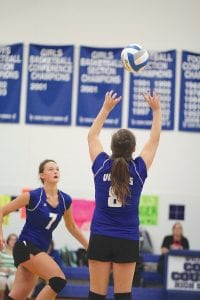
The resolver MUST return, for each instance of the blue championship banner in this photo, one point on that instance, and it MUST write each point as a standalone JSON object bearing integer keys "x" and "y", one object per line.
{"x": 100, "y": 70}
{"x": 10, "y": 82}
{"x": 158, "y": 75}
{"x": 49, "y": 91}
{"x": 189, "y": 115}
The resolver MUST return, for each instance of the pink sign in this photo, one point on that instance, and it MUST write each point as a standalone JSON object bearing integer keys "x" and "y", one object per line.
{"x": 83, "y": 212}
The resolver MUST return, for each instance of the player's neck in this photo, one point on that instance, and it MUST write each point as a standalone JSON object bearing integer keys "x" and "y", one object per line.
{"x": 51, "y": 190}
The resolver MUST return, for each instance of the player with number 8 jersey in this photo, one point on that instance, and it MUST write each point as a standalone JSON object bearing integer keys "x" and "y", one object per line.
{"x": 109, "y": 211}
{"x": 118, "y": 183}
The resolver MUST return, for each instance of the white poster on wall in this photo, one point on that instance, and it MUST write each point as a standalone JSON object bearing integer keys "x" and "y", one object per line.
{"x": 183, "y": 273}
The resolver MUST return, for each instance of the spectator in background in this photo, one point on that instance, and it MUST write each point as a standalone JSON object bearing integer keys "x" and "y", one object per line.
{"x": 175, "y": 241}
{"x": 7, "y": 267}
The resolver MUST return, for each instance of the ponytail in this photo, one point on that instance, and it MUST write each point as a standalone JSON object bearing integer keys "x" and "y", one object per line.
{"x": 120, "y": 176}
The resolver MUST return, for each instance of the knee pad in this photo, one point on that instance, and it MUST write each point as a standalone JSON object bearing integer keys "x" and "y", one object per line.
{"x": 9, "y": 298}
{"x": 123, "y": 296}
{"x": 94, "y": 296}
{"x": 57, "y": 284}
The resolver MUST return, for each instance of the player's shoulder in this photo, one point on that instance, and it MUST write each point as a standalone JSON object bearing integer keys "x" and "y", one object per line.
{"x": 35, "y": 198}
{"x": 100, "y": 161}
{"x": 101, "y": 156}
{"x": 65, "y": 195}
{"x": 36, "y": 192}
{"x": 139, "y": 161}
{"x": 139, "y": 167}
{"x": 66, "y": 198}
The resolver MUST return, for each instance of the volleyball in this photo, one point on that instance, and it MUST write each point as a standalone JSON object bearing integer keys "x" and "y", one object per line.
{"x": 134, "y": 58}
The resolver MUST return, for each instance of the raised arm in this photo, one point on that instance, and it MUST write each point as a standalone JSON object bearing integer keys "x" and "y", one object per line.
{"x": 149, "y": 150}
{"x": 95, "y": 146}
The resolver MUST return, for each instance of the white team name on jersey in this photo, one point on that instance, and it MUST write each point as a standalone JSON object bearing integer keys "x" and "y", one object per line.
{"x": 107, "y": 177}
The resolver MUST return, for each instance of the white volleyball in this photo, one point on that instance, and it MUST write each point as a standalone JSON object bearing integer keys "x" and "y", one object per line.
{"x": 134, "y": 58}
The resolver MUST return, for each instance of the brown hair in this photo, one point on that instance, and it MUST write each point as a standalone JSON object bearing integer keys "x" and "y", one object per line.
{"x": 42, "y": 166}
{"x": 122, "y": 146}
{"x": 10, "y": 236}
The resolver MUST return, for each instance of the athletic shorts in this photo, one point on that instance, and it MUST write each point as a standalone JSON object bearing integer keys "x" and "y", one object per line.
{"x": 119, "y": 250}
{"x": 22, "y": 251}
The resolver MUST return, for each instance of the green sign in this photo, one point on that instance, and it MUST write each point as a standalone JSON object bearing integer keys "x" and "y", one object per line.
{"x": 148, "y": 210}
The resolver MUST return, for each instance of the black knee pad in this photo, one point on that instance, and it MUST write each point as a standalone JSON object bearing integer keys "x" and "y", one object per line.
{"x": 94, "y": 296}
{"x": 9, "y": 298}
{"x": 123, "y": 296}
{"x": 57, "y": 283}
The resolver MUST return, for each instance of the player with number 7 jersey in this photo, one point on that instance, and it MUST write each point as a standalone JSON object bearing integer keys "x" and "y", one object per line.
{"x": 45, "y": 207}
{"x": 43, "y": 218}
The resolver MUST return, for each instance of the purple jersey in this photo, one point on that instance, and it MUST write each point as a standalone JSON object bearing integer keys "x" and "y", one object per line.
{"x": 42, "y": 218}
{"x": 110, "y": 217}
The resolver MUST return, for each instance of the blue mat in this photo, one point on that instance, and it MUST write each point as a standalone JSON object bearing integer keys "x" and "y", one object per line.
{"x": 81, "y": 292}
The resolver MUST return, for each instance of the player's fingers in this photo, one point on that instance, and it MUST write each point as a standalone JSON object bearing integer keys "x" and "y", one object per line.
{"x": 146, "y": 97}
{"x": 118, "y": 99}
{"x": 107, "y": 96}
{"x": 110, "y": 93}
{"x": 158, "y": 97}
{"x": 114, "y": 95}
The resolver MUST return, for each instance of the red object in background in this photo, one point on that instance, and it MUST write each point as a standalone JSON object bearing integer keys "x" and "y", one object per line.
{"x": 22, "y": 212}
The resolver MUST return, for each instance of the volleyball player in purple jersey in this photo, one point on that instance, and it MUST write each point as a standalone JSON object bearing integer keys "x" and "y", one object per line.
{"x": 44, "y": 209}
{"x": 118, "y": 180}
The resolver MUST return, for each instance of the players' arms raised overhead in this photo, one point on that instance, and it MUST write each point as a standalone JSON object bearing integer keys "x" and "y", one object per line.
{"x": 149, "y": 150}
{"x": 95, "y": 146}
